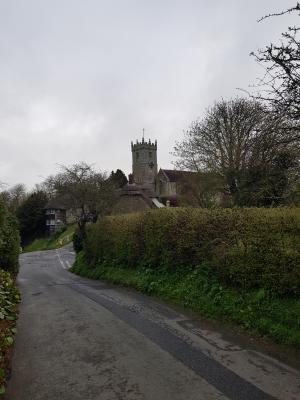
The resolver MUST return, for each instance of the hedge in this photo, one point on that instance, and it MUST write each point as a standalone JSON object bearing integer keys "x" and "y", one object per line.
{"x": 9, "y": 297}
{"x": 246, "y": 248}
{"x": 9, "y": 240}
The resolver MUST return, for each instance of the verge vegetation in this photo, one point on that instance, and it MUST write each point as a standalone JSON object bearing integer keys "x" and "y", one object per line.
{"x": 58, "y": 239}
{"x": 238, "y": 265}
{"x": 9, "y": 240}
{"x": 9, "y": 296}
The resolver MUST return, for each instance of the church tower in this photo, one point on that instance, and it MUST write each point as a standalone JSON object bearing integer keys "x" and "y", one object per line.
{"x": 144, "y": 163}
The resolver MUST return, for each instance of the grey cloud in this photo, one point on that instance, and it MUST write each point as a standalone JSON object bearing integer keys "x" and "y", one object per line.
{"x": 80, "y": 79}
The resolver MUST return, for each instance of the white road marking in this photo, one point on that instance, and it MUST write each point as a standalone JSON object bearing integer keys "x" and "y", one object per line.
{"x": 60, "y": 260}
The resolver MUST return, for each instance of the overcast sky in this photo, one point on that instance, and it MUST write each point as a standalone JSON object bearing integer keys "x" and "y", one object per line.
{"x": 79, "y": 79}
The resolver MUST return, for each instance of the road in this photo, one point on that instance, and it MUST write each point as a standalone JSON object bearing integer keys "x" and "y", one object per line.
{"x": 80, "y": 339}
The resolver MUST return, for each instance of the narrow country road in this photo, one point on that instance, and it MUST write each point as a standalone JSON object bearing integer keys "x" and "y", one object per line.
{"x": 80, "y": 339}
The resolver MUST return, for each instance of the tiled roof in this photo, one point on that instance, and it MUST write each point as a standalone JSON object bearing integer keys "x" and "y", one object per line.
{"x": 58, "y": 203}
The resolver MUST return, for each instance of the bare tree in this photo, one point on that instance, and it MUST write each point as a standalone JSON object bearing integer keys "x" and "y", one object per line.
{"x": 280, "y": 85}
{"x": 14, "y": 196}
{"x": 88, "y": 193}
{"x": 238, "y": 140}
{"x": 201, "y": 189}
{"x": 222, "y": 140}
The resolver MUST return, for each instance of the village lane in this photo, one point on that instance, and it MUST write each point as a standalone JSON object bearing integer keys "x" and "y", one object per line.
{"x": 80, "y": 339}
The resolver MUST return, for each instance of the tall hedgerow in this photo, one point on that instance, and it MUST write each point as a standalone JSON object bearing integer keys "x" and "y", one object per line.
{"x": 9, "y": 240}
{"x": 249, "y": 248}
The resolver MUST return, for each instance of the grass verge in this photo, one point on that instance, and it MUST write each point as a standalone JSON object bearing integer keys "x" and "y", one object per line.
{"x": 59, "y": 239}
{"x": 9, "y": 297}
{"x": 256, "y": 311}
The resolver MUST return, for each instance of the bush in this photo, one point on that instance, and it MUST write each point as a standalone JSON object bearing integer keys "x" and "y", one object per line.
{"x": 248, "y": 248}
{"x": 9, "y": 241}
{"x": 9, "y": 297}
{"x": 77, "y": 241}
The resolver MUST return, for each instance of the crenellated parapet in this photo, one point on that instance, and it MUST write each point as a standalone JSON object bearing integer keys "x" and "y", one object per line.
{"x": 143, "y": 144}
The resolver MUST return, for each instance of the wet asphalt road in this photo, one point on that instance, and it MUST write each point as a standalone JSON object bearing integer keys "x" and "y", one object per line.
{"x": 87, "y": 340}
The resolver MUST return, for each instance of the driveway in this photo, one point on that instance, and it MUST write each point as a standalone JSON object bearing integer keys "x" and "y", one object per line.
{"x": 80, "y": 339}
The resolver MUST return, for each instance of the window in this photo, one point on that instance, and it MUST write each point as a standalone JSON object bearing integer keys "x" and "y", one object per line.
{"x": 150, "y": 154}
{"x": 50, "y": 211}
{"x": 137, "y": 156}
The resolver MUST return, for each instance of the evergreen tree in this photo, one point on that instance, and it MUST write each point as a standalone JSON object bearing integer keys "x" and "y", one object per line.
{"x": 31, "y": 216}
{"x": 118, "y": 178}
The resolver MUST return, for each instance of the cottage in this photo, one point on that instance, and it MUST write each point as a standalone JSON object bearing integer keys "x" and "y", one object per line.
{"x": 134, "y": 198}
{"x": 58, "y": 214}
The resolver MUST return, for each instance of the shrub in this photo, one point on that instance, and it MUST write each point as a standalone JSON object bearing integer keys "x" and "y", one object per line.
{"x": 77, "y": 241}
{"x": 249, "y": 248}
{"x": 9, "y": 240}
{"x": 9, "y": 297}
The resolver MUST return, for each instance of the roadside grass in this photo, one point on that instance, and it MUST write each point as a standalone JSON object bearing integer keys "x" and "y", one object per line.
{"x": 59, "y": 239}
{"x": 9, "y": 297}
{"x": 36, "y": 245}
{"x": 258, "y": 312}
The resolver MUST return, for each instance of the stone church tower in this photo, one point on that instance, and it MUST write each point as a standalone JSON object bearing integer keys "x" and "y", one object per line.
{"x": 144, "y": 163}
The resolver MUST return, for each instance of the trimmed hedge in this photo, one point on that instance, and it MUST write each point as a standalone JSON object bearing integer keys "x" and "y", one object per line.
{"x": 246, "y": 248}
{"x": 9, "y": 240}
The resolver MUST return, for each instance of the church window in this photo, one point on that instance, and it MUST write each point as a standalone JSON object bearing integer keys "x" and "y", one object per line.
{"x": 137, "y": 156}
{"x": 150, "y": 154}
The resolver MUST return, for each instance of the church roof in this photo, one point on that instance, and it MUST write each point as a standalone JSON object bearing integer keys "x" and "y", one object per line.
{"x": 174, "y": 175}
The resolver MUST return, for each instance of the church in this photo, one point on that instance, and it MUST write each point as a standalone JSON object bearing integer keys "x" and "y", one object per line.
{"x": 149, "y": 187}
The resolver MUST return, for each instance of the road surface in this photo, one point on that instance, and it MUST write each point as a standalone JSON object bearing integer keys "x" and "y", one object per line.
{"x": 80, "y": 339}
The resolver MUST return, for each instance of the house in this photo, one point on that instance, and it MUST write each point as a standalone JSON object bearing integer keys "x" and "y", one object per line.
{"x": 188, "y": 188}
{"x": 167, "y": 184}
{"x": 135, "y": 198}
{"x": 58, "y": 214}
